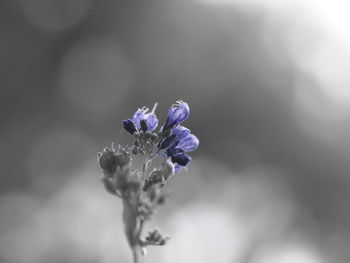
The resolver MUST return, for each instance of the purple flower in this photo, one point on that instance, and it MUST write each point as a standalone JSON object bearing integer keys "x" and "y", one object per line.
{"x": 177, "y": 114}
{"x": 130, "y": 126}
{"x": 181, "y": 132}
{"x": 152, "y": 121}
{"x": 150, "y": 117}
{"x": 189, "y": 144}
{"x": 181, "y": 159}
{"x": 184, "y": 142}
{"x": 173, "y": 140}
{"x": 138, "y": 116}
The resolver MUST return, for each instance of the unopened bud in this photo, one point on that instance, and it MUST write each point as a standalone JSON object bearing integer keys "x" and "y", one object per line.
{"x": 167, "y": 141}
{"x": 156, "y": 238}
{"x": 144, "y": 125}
{"x": 130, "y": 126}
{"x": 107, "y": 160}
{"x": 181, "y": 159}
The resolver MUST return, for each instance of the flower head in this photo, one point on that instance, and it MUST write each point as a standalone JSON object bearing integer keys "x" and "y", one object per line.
{"x": 189, "y": 144}
{"x": 177, "y": 114}
{"x": 149, "y": 117}
{"x": 140, "y": 190}
{"x": 173, "y": 140}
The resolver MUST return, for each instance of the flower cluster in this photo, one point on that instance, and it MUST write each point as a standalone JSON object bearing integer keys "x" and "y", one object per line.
{"x": 172, "y": 140}
{"x": 141, "y": 189}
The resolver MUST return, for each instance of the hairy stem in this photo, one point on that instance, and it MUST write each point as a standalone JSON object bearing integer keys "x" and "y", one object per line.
{"x": 136, "y": 249}
{"x": 137, "y": 257}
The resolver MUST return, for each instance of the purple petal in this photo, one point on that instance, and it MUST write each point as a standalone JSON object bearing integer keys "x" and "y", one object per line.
{"x": 138, "y": 116}
{"x": 189, "y": 144}
{"x": 152, "y": 121}
{"x": 181, "y": 132}
{"x": 178, "y": 168}
{"x": 172, "y": 151}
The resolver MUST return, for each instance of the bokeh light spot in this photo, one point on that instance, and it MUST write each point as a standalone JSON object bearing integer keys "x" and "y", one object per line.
{"x": 286, "y": 254}
{"x": 58, "y": 152}
{"x": 95, "y": 75}
{"x": 55, "y": 15}
{"x": 20, "y": 240}
{"x": 204, "y": 233}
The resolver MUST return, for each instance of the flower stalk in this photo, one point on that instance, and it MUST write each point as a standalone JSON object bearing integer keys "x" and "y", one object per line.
{"x": 141, "y": 190}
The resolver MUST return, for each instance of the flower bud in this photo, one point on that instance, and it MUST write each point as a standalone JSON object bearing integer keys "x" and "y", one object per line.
{"x": 130, "y": 126}
{"x": 172, "y": 151}
{"x": 181, "y": 132}
{"x": 178, "y": 168}
{"x": 167, "y": 141}
{"x": 177, "y": 114}
{"x": 152, "y": 121}
{"x": 144, "y": 125}
{"x": 189, "y": 144}
{"x": 107, "y": 160}
{"x": 181, "y": 159}
{"x": 149, "y": 117}
{"x": 155, "y": 238}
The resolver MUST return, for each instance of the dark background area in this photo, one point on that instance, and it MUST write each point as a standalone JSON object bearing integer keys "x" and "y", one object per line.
{"x": 268, "y": 90}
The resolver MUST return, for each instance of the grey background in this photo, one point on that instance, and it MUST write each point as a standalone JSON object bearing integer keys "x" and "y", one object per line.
{"x": 267, "y": 87}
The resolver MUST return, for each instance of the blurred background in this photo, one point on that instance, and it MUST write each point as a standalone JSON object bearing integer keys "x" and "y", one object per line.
{"x": 268, "y": 86}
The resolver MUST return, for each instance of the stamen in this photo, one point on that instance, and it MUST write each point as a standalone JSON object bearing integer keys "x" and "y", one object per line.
{"x": 154, "y": 107}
